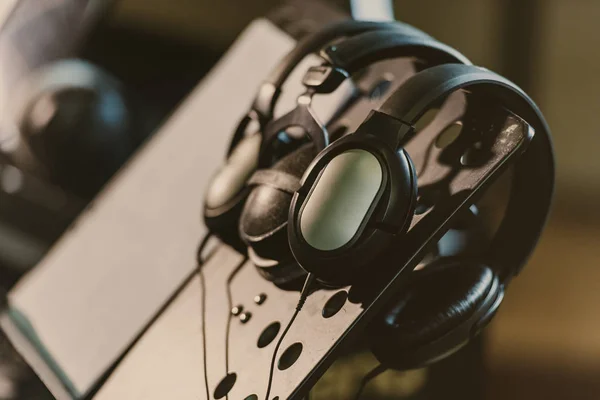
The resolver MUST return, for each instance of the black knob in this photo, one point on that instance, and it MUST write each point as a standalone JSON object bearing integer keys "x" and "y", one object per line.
{"x": 78, "y": 125}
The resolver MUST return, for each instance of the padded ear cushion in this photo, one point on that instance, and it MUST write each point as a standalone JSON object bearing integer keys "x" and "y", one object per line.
{"x": 263, "y": 223}
{"x": 435, "y": 301}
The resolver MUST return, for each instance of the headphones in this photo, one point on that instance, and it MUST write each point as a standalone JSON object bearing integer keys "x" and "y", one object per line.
{"x": 335, "y": 234}
{"x": 329, "y": 212}
{"x": 229, "y": 188}
{"x": 263, "y": 222}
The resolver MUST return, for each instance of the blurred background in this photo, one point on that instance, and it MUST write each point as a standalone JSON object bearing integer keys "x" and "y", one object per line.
{"x": 545, "y": 341}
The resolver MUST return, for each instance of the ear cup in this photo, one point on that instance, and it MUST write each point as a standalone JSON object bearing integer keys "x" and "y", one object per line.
{"x": 356, "y": 200}
{"x": 434, "y": 313}
{"x": 263, "y": 223}
{"x": 228, "y": 190}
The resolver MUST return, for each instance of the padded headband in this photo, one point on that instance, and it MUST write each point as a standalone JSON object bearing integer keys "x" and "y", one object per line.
{"x": 360, "y": 51}
{"x": 270, "y": 90}
{"x": 357, "y": 53}
{"x": 533, "y": 183}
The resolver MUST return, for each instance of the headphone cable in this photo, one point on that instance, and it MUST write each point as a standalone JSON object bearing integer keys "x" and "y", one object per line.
{"x": 306, "y": 290}
{"x": 200, "y": 264}
{"x": 229, "y": 316}
{"x": 374, "y": 373}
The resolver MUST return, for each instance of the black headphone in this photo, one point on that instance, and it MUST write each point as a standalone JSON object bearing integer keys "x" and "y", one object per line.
{"x": 264, "y": 219}
{"x": 229, "y": 189}
{"x": 448, "y": 302}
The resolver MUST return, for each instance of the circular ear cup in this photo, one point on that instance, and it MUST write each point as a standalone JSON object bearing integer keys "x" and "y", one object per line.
{"x": 263, "y": 223}
{"x": 436, "y": 313}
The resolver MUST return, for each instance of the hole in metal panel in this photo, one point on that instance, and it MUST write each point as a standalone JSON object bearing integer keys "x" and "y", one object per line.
{"x": 290, "y": 356}
{"x": 224, "y": 387}
{"x": 268, "y": 334}
{"x": 335, "y": 304}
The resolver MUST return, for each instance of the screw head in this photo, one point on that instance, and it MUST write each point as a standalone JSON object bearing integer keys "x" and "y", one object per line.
{"x": 245, "y": 317}
{"x": 260, "y": 298}
{"x": 237, "y": 310}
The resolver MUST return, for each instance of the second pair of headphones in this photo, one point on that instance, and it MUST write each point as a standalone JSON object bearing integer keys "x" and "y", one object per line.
{"x": 263, "y": 222}
{"x": 257, "y": 133}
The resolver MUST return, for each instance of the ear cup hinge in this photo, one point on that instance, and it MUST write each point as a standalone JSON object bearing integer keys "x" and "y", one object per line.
{"x": 324, "y": 78}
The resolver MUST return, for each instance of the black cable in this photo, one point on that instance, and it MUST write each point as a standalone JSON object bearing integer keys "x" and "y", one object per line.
{"x": 303, "y": 296}
{"x": 287, "y": 328}
{"x": 230, "y": 305}
{"x": 200, "y": 264}
{"x": 201, "y": 248}
{"x": 203, "y": 311}
{"x": 374, "y": 373}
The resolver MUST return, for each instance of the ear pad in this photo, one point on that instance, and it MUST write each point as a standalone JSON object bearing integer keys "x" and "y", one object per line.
{"x": 434, "y": 313}
{"x": 263, "y": 223}
{"x": 228, "y": 190}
